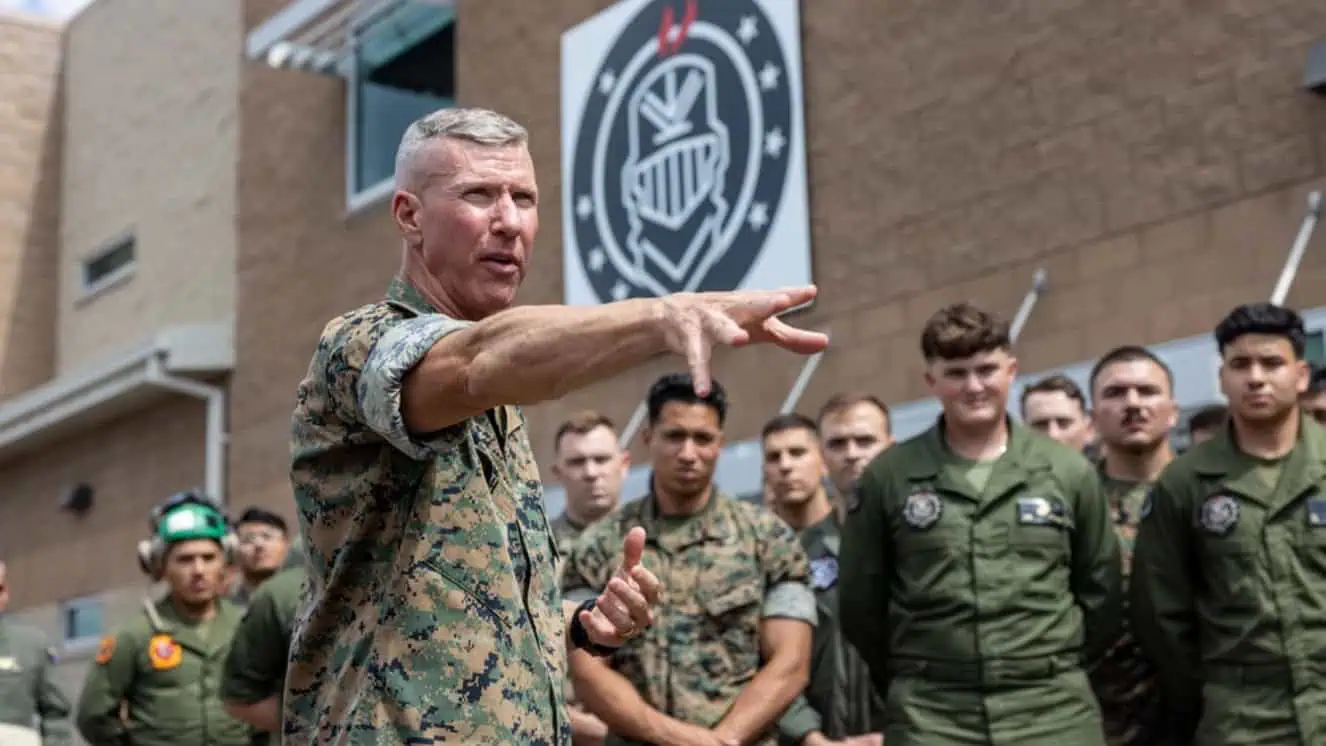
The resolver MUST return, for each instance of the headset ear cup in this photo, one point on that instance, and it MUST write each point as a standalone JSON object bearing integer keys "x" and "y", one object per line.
{"x": 144, "y": 551}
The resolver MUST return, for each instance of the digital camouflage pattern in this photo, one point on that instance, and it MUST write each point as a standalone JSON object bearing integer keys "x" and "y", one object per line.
{"x": 975, "y": 609}
{"x": 718, "y": 567}
{"x": 1228, "y": 592}
{"x": 26, "y": 687}
{"x": 433, "y": 610}
{"x": 1123, "y": 678}
{"x": 166, "y": 677}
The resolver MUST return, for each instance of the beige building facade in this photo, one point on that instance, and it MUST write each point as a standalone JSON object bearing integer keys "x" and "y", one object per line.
{"x": 117, "y": 301}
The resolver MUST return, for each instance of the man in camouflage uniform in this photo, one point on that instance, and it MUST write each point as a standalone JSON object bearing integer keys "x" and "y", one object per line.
{"x": 731, "y": 646}
{"x": 590, "y": 465}
{"x": 1132, "y": 391}
{"x": 1229, "y": 584}
{"x": 979, "y": 567}
{"x": 27, "y": 692}
{"x": 839, "y": 706}
{"x": 433, "y": 611}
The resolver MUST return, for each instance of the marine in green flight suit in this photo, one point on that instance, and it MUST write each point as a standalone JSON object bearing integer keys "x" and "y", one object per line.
{"x": 155, "y": 680}
{"x": 26, "y": 688}
{"x": 979, "y": 571}
{"x": 1228, "y": 591}
{"x": 254, "y": 673}
{"x": 839, "y": 705}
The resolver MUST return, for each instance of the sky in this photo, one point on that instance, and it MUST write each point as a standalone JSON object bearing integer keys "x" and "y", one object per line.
{"x": 54, "y": 9}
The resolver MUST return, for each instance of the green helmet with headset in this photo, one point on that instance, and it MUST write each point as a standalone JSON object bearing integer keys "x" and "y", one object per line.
{"x": 185, "y": 516}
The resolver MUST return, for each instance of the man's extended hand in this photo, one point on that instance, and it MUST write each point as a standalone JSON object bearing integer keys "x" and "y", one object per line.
{"x": 624, "y": 607}
{"x": 694, "y": 323}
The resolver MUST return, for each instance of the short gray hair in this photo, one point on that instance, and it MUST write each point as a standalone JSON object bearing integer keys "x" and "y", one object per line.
{"x": 480, "y": 126}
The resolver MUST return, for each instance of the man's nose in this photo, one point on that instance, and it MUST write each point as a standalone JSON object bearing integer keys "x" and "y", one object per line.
{"x": 507, "y": 218}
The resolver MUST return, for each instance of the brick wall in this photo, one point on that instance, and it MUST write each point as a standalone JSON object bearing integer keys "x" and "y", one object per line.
{"x": 29, "y": 208}
{"x": 1152, "y": 159}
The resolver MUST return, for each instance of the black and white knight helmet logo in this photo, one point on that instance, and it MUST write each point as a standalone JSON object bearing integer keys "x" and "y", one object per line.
{"x": 682, "y": 153}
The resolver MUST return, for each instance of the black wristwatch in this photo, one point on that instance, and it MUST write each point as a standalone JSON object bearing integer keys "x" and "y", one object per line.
{"x": 580, "y": 637}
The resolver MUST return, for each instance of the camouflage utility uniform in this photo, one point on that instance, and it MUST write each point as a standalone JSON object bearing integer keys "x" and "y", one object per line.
{"x": 725, "y": 569}
{"x": 433, "y": 613}
{"x": 1124, "y": 679}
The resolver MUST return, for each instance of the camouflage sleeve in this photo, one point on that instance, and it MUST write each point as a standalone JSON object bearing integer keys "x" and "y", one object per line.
{"x": 1097, "y": 565}
{"x": 254, "y": 668}
{"x": 589, "y": 564}
{"x": 1161, "y": 599}
{"x": 787, "y": 593}
{"x": 864, "y": 571}
{"x": 396, "y": 351}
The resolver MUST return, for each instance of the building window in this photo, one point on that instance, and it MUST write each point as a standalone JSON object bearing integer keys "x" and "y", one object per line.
{"x": 109, "y": 265}
{"x": 82, "y": 619}
{"x": 404, "y": 67}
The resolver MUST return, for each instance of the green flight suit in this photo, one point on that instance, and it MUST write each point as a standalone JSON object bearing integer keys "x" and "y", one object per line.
{"x": 977, "y": 609}
{"x": 26, "y": 689}
{"x": 840, "y": 700}
{"x": 1228, "y": 592}
{"x": 168, "y": 672}
{"x": 255, "y": 668}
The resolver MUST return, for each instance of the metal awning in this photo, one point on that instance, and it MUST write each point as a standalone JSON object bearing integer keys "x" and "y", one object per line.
{"x": 319, "y": 35}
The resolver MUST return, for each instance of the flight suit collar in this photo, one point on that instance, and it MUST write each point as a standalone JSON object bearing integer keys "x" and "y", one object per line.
{"x": 186, "y": 633}
{"x": 407, "y": 297}
{"x": 1222, "y": 460}
{"x": 939, "y": 466}
{"x": 827, "y": 532}
{"x": 710, "y": 524}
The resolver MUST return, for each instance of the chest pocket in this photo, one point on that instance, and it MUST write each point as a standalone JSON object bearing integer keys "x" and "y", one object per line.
{"x": 1042, "y": 523}
{"x": 730, "y": 632}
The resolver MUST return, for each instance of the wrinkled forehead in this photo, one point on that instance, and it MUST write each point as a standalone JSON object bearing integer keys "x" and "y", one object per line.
{"x": 1123, "y": 375}
{"x": 460, "y": 161}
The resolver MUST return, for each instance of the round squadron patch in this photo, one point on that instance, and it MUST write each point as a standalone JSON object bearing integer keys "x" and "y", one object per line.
{"x": 164, "y": 653}
{"x": 922, "y": 510}
{"x": 105, "y": 650}
{"x": 823, "y": 573}
{"x": 1219, "y": 514}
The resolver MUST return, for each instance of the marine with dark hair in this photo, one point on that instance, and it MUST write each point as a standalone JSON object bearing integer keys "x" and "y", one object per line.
{"x": 263, "y": 547}
{"x": 1056, "y": 407}
{"x": 839, "y": 704}
{"x": 1228, "y": 594}
{"x": 730, "y": 646}
{"x": 979, "y": 568}
{"x": 1133, "y": 393}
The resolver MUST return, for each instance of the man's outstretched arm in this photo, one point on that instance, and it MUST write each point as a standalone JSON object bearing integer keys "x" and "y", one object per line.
{"x": 531, "y": 354}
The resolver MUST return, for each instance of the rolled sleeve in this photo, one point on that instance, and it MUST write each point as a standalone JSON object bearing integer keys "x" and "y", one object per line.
{"x": 396, "y": 353}
{"x": 790, "y": 599}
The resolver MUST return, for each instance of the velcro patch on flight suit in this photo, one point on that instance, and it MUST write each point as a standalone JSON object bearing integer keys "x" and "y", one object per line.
{"x": 1219, "y": 514}
{"x": 105, "y": 650}
{"x": 1040, "y": 511}
{"x": 1317, "y": 512}
{"x": 164, "y": 653}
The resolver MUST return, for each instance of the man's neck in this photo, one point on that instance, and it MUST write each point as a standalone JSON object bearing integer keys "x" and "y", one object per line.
{"x": 194, "y": 612}
{"x": 582, "y": 518}
{"x": 808, "y": 513}
{"x": 675, "y": 505}
{"x": 1267, "y": 441}
{"x": 977, "y": 443}
{"x": 253, "y": 580}
{"x": 416, "y": 274}
{"x": 1140, "y": 467}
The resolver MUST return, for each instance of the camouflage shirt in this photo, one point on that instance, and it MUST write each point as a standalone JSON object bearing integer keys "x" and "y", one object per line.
{"x": 432, "y": 612}
{"x": 1123, "y": 679}
{"x": 725, "y": 569}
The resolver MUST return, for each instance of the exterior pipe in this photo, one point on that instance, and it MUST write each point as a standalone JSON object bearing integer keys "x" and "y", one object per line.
{"x": 215, "y": 439}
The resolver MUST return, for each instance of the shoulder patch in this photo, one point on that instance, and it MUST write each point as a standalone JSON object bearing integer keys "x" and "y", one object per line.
{"x": 105, "y": 650}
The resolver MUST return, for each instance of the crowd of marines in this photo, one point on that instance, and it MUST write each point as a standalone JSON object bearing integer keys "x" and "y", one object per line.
{"x": 1063, "y": 579}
